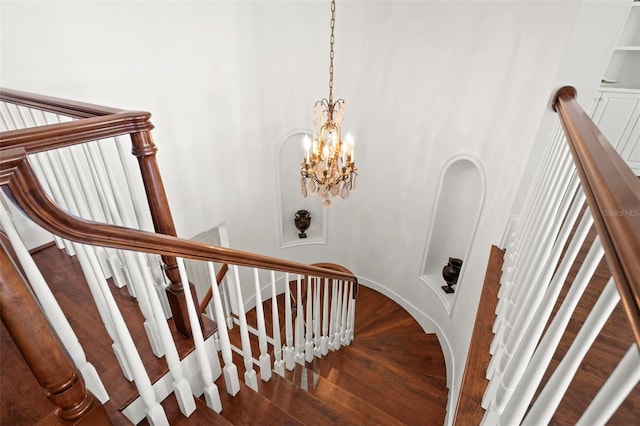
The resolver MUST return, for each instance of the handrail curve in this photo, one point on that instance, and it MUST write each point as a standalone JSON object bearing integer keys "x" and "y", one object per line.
{"x": 17, "y": 177}
{"x": 54, "y": 105}
{"x": 613, "y": 195}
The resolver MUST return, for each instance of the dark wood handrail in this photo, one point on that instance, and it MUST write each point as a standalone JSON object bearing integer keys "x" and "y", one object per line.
{"x": 17, "y": 177}
{"x": 65, "y": 107}
{"x": 613, "y": 196}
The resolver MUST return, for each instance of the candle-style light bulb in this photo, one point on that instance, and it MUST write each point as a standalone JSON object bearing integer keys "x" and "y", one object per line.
{"x": 306, "y": 142}
{"x": 352, "y": 146}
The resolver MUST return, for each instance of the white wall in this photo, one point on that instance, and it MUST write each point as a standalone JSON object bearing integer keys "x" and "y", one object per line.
{"x": 225, "y": 82}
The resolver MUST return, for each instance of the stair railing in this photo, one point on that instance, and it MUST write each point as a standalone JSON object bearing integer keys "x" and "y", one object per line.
{"x": 20, "y": 150}
{"x": 581, "y": 181}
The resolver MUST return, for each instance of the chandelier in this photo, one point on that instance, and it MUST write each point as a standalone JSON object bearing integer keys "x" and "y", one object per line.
{"x": 329, "y": 166}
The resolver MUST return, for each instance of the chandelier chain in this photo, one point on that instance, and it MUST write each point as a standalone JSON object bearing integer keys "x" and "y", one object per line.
{"x": 331, "y": 42}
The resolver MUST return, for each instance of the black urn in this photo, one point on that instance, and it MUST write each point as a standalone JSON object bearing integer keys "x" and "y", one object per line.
{"x": 450, "y": 273}
{"x": 302, "y": 220}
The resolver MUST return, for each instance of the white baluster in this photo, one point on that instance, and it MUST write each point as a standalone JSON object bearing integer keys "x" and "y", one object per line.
{"x": 265, "y": 359}
{"x": 250, "y": 378}
{"x": 536, "y": 282}
{"x": 230, "y": 370}
{"x": 338, "y": 316}
{"x": 535, "y": 214}
{"x": 299, "y": 330}
{"x": 53, "y": 311}
{"x": 351, "y": 315}
{"x": 345, "y": 311}
{"x": 278, "y": 364}
{"x": 538, "y": 243}
{"x": 520, "y": 397}
{"x": 317, "y": 351}
{"x": 512, "y": 373}
{"x": 334, "y": 319}
{"x": 620, "y": 383}
{"x": 180, "y": 384}
{"x": 119, "y": 263}
{"x": 142, "y": 218}
{"x": 549, "y": 399}
{"x": 289, "y": 350}
{"x": 324, "y": 340}
{"x": 94, "y": 281}
{"x": 42, "y": 169}
{"x": 308, "y": 344}
{"x": 137, "y": 281}
{"x": 211, "y": 394}
{"x": 153, "y": 409}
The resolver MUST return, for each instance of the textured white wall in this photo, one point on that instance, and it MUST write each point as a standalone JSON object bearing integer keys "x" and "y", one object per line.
{"x": 225, "y": 82}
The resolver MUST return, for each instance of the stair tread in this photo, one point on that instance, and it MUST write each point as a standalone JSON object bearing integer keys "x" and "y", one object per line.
{"x": 326, "y": 404}
{"x": 203, "y": 415}
{"x": 248, "y": 407}
{"x": 412, "y": 401}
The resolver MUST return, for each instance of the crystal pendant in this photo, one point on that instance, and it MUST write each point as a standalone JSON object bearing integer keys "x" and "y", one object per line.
{"x": 353, "y": 179}
{"x": 335, "y": 189}
{"x": 312, "y": 186}
{"x": 303, "y": 187}
{"x": 345, "y": 191}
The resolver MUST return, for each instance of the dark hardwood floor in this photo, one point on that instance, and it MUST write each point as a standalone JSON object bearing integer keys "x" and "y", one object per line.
{"x": 393, "y": 373}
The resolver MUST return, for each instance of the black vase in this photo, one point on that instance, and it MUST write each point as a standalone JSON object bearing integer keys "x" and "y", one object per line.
{"x": 450, "y": 273}
{"x": 302, "y": 221}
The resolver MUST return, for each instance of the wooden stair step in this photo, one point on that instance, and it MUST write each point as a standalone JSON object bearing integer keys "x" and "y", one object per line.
{"x": 203, "y": 415}
{"x": 415, "y": 377}
{"x": 248, "y": 407}
{"x": 410, "y": 401}
{"x": 329, "y": 405}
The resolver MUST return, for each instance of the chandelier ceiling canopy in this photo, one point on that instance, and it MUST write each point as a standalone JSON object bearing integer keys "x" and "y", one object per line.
{"x": 328, "y": 168}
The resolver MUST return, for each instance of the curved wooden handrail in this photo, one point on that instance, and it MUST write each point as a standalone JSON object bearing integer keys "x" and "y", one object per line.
{"x": 18, "y": 178}
{"x": 55, "y": 105}
{"x": 613, "y": 195}
{"x": 51, "y": 136}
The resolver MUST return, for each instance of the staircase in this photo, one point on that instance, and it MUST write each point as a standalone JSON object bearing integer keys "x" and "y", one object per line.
{"x": 392, "y": 373}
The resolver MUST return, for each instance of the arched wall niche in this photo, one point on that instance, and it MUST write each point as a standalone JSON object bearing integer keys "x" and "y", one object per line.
{"x": 456, "y": 212}
{"x": 289, "y": 155}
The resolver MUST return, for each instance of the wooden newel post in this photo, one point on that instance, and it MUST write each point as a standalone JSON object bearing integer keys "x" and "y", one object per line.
{"x": 145, "y": 150}
{"x": 49, "y": 362}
